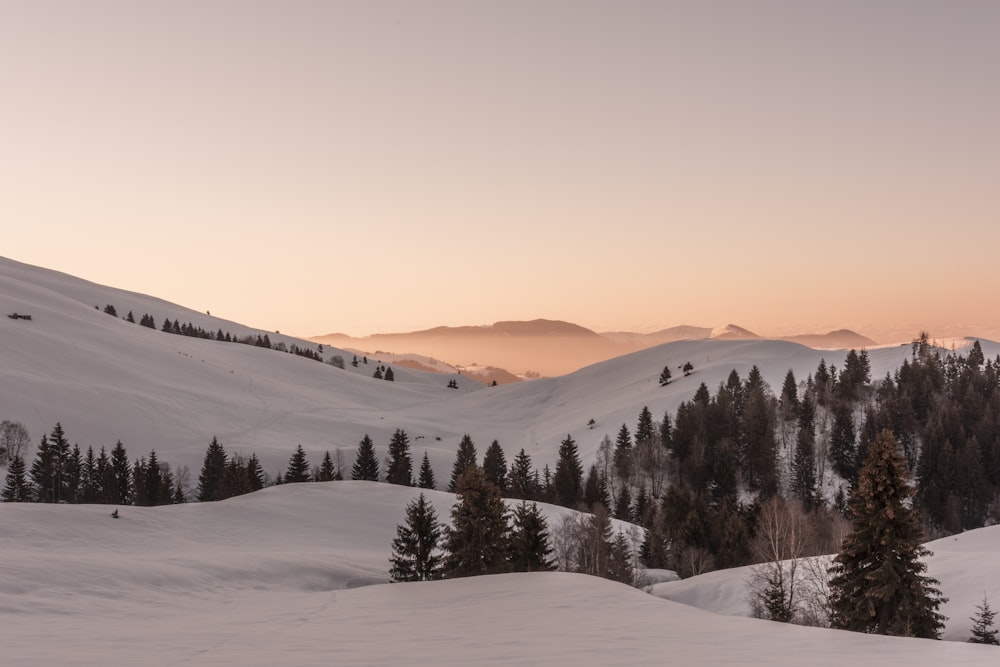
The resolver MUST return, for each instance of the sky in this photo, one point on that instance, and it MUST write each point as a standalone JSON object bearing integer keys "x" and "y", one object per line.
{"x": 362, "y": 167}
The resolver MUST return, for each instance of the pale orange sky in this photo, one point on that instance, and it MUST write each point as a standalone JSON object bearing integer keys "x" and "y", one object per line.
{"x": 389, "y": 166}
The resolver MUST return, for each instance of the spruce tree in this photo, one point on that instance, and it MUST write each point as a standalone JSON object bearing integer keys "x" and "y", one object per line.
{"x": 414, "y": 549}
{"x": 665, "y": 376}
{"x": 326, "y": 469}
{"x": 298, "y": 467}
{"x": 465, "y": 458}
{"x": 477, "y": 541}
{"x": 530, "y": 549}
{"x": 623, "y": 454}
{"x": 17, "y": 488}
{"x": 569, "y": 474}
{"x": 983, "y": 631}
{"x": 122, "y": 490}
{"x": 522, "y": 477}
{"x": 878, "y": 583}
{"x": 426, "y": 480}
{"x": 366, "y": 462}
{"x": 495, "y": 466}
{"x": 804, "y": 461}
{"x": 212, "y": 480}
{"x": 400, "y": 469}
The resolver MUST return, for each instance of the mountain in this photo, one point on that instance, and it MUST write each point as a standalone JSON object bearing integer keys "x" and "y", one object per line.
{"x": 733, "y": 332}
{"x": 841, "y": 339}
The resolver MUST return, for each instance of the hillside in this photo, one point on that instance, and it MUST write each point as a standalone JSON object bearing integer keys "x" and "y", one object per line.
{"x": 273, "y": 578}
{"x": 106, "y": 380}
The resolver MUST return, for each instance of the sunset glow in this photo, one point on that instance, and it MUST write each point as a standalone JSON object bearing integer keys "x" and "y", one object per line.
{"x": 362, "y": 167}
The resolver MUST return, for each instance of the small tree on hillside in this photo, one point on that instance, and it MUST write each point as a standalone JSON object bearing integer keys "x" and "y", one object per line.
{"x": 426, "y": 480}
{"x": 17, "y": 488}
{"x": 400, "y": 468}
{"x": 465, "y": 458}
{"x": 212, "y": 480}
{"x": 298, "y": 467}
{"x": 414, "y": 550}
{"x": 665, "y": 376}
{"x": 878, "y": 583}
{"x": 983, "y": 630}
{"x": 529, "y": 541}
{"x": 495, "y": 466}
{"x": 569, "y": 474}
{"x": 366, "y": 462}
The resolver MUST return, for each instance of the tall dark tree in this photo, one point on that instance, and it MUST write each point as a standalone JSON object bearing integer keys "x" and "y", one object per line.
{"x": 212, "y": 480}
{"x": 843, "y": 447}
{"x": 91, "y": 479}
{"x": 665, "y": 376}
{"x": 568, "y": 480}
{"x": 495, "y": 466}
{"x": 366, "y": 462}
{"x": 298, "y": 467}
{"x": 426, "y": 480}
{"x": 878, "y": 583}
{"x": 804, "y": 461}
{"x": 415, "y": 554}
{"x": 757, "y": 436}
{"x": 530, "y": 549}
{"x": 465, "y": 458}
{"x": 326, "y": 469}
{"x": 789, "y": 397}
{"x": 477, "y": 541}
{"x": 522, "y": 477}
{"x": 400, "y": 469}
{"x": 624, "y": 454}
{"x": 644, "y": 429}
{"x": 17, "y": 489}
{"x": 49, "y": 467}
{"x": 119, "y": 489}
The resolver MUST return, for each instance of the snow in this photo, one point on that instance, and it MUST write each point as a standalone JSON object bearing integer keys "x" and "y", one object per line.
{"x": 295, "y": 574}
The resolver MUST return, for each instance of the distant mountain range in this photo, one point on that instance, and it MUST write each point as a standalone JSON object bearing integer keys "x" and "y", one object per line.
{"x": 513, "y": 349}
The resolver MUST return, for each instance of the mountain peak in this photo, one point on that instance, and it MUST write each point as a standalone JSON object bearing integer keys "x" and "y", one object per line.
{"x": 732, "y": 332}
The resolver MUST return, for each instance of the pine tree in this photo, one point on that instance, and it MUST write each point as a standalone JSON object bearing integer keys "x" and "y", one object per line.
{"x": 90, "y": 479}
{"x": 804, "y": 461}
{"x": 878, "y": 583}
{"x": 495, "y": 466}
{"x": 465, "y": 458}
{"x": 665, "y": 376}
{"x": 842, "y": 441}
{"x": 620, "y": 564}
{"x": 17, "y": 488}
{"x": 118, "y": 488}
{"x": 569, "y": 474}
{"x": 623, "y": 456}
{"x": 522, "y": 477}
{"x": 389, "y": 375}
{"x": 529, "y": 541}
{"x": 414, "y": 550}
{"x": 983, "y": 631}
{"x": 400, "y": 469}
{"x": 298, "y": 467}
{"x": 212, "y": 480}
{"x": 477, "y": 541}
{"x": 426, "y": 480}
{"x": 366, "y": 462}
{"x": 326, "y": 469}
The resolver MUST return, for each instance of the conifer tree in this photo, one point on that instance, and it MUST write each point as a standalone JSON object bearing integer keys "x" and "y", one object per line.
{"x": 804, "y": 461}
{"x": 400, "y": 469}
{"x": 426, "y": 480}
{"x": 389, "y": 375}
{"x": 366, "y": 462}
{"x": 495, "y": 466}
{"x": 620, "y": 564}
{"x": 465, "y": 458}
{"x": 298, "y": 467}
{"x": 842, "y": 441}
{"x": 644, "y": 429}
{"x": 17, "y": 489}
{"x": 522, "y": 477}
{"x": 415, "y": 554}
{"x": 878, "y": 583}
{"x": 665, "y": 376}
{"x": 983, "y": 630}
{"x": 477, "y": 541}
{"x": 568, "y": 480}
{"x": 530, "y": 549}
{"x": 623, "y": 456}
{"x": 212, "y": 480}
{"x": 90, "y": 479}
{"x": 326, "y": 469}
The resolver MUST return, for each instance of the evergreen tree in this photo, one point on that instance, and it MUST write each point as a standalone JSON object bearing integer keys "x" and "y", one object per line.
{"x": 477, "y": 541}
{"x": 569, "y": 474}
{"x": 495, "y": 466}
{"x": 400, "y": 469}
{"x": 72, "y": 475}
{"x": 789, "y": 397}
{"x": 389, "y": 375}
{"x": 326, "y": 469}
{"x": 298, "y": 467}
{"x": 119, "y": 490}
{"x": 17, "y": 488}
{"x": 623, "y": 456}
{"x": 878, "y": 583}
{"x": 983, "y": 631}
{"x": 465, "y": 458}
{"x": 620, "y": 563}
{"x": 665, "y": 376}
{"x": 414, "y": 549}
{"x": 644, "y": 429}
{"x": 426, "y": 480}
{"x": 212, "y": 480}
{"x": 842, "y": 441}
{"x": 366, "y": 462}
{"x": 529, "y": 541}
{"x": 91, "y": 480}
{"x": 804, "y": 461}
{"x": 522, "y": 477}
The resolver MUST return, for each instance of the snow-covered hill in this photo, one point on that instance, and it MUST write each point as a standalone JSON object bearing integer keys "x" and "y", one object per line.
{"x": 106, "y": 380}
{"x": 279, "y": 577}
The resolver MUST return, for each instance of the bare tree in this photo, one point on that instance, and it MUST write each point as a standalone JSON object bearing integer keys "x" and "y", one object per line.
{"x": 783, "y": 536}
{"x": 14, "y": 441}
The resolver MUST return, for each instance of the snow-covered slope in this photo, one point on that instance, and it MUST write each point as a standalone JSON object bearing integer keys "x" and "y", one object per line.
{"x": 270, "y": 579}
{"x": 106, "y": 380}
